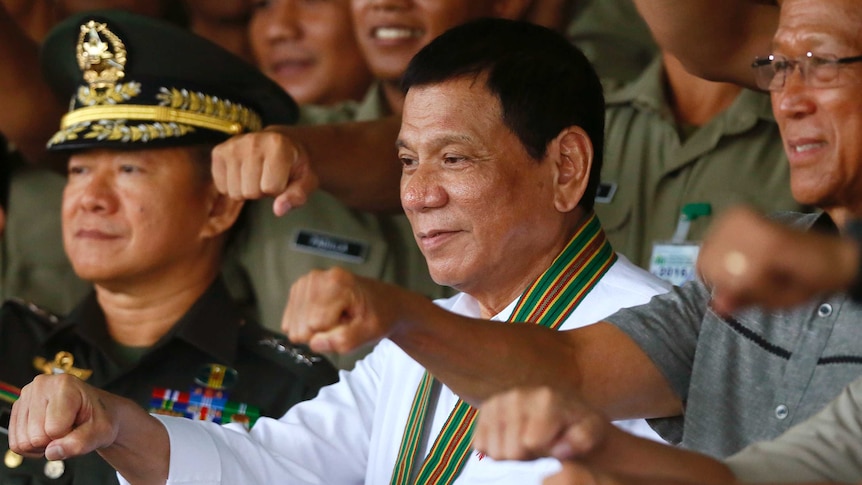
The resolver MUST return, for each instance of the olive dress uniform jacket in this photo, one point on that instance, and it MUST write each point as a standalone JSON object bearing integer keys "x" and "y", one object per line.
{"x": 212, "y": 331}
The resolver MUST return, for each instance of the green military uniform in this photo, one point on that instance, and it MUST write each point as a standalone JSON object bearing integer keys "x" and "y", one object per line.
{"x": 737, "y": 157}
{"x": 614, "y": 37}
{"x": 135, "y": 84}
{"x": 269, "y": 377}
{"x": 33, "y": 265}
{"x": 273, "y": 252}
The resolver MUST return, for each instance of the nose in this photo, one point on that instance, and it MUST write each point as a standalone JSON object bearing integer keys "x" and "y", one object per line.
{"x": 794, "y": 100}
{"x": 281, "y": 21}
{"x": 97, "y": 194}
{"x": 422, "y": 189}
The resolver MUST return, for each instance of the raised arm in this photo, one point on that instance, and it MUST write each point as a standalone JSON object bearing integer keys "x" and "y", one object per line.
{"x": 356, "y": 162}
{"x": 337, "y": 311}
{"x": 528, "y": 423}
{"x": 714, "y": 40}
{"x": 31, "y": 111}
{"x": 750, "y": 260}
{"x": 60, "y": 417}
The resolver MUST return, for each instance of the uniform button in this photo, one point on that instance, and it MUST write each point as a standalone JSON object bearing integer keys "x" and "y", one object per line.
{"x": 781, "y": 411}
{"x": 824, "y": 310}
{"x": 12, "y": 459}
{"x": 54, "y": 469}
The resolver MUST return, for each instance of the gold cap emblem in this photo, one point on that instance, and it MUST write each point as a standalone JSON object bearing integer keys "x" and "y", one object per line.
{"x": 101, "y": 55}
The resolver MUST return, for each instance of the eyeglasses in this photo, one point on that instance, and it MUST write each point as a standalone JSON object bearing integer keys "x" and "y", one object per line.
{"x": 817, "y": 71}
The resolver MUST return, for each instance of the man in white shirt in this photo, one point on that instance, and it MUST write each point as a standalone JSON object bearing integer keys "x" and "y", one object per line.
{"x": 501, "y": 146}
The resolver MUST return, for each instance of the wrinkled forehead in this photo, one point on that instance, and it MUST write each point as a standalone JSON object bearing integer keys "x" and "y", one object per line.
{"x": 814, "y": 25}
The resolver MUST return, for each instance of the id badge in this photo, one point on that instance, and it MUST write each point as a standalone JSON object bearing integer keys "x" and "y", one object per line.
{"x": 674, "y": 262}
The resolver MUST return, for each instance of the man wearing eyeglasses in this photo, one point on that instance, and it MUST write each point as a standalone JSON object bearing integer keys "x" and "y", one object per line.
{"x": 716, "y": 382}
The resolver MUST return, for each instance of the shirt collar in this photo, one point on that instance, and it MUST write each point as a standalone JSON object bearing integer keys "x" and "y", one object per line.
{"x": 212, "y": 324}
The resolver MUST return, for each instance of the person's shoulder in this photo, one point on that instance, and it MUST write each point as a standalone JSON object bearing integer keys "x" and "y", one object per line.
{"x": 15, "y": 310}
{"x": 24, "y": 327}
{"x": 320, "y": 115}
{"x": 630, "y": 278}
{"x": 279, "y": 352}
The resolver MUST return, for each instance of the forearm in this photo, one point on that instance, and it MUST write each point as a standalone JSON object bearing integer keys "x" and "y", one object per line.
{"x": 714, "y": 40}
{"x": 141, "y": 451}
{"x": 356, "y": 162}
{"x": 632, "y": 456}
{"x": 478, "y": 358}
{"x": 31, "y": 112}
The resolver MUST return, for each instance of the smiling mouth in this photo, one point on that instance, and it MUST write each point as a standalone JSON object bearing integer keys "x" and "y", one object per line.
{"x": 396, "y": 33}
{"x": 290, "y": 66}
{"x": 806, "y": 147}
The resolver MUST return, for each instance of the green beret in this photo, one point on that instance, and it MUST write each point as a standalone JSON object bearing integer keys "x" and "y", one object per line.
{"x": 137, "y": 82}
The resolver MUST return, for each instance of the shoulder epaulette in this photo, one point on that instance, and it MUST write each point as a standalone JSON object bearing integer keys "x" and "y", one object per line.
{"x": 26, "y": 307}
{"x": 299, "y": 354}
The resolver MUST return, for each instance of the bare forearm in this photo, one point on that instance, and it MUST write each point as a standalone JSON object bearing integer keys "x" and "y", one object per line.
{"x": 141, "y": 451}
{"x": 632, "y": 456}
{"x": 30, "y": 111}
{"x": 356, "y": 162}
{"x": 714, "y": 40}
{"x": 478, "y": 358}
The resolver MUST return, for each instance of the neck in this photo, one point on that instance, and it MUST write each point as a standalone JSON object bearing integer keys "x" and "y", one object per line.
{"x": 695, "y": 101}
{"x": 139, "y": 313}
{"x": 393, "y": 95}
{"x": 507, "y": 287}
{"x": 840, "y": 216}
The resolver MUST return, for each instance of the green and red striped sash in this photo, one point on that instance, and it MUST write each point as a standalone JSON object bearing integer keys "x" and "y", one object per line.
{"x": 547, "y": 302}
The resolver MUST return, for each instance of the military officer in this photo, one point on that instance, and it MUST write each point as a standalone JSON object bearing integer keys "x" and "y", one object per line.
{"x": 143, "y": 222}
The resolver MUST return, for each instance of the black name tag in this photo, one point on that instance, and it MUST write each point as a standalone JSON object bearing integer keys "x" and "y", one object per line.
{"x": 605, "y": 192}
{"x": 330, "y": 246}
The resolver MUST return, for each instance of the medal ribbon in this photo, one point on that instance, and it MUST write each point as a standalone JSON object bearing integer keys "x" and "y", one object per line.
{"x": 548, "y": 301}
{"x": 9, "y": 393}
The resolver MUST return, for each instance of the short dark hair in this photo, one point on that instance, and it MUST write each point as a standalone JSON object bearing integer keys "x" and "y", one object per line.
{"x": 543, "y": 82}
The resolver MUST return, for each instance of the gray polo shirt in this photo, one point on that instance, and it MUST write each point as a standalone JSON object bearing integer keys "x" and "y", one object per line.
{"x": 750, "y": 377}
{"x": 826, "y": 447}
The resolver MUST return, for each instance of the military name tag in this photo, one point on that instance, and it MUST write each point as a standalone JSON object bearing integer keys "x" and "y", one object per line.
{"x": 605, "y": 192}
{"x": 330, "y": 246}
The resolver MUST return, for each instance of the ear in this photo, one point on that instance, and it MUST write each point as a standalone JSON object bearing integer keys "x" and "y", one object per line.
{"x": 572, "y": 153}
{"x": 223, "y": 212}
{"x": 511, "y": 9}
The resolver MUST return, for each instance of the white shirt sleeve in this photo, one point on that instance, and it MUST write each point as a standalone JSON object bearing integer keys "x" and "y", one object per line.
{"x": 321, "y": 441}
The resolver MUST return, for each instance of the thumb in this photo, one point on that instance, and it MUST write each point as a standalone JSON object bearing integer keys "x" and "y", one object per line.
{"x": 341, "y": 339}
{"x": 296, "y": 194}
{"x": 80, "y": 441}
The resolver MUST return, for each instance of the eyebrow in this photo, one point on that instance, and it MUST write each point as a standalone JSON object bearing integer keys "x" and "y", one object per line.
{"x": 449, "y": 139}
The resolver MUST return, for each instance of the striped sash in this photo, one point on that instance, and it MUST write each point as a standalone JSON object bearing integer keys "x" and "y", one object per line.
{"x": 546, "y": 302}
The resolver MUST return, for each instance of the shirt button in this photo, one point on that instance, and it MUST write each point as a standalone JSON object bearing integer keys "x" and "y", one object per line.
{"x": 781, "y": 411}
{"x": 824, "y": 310}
